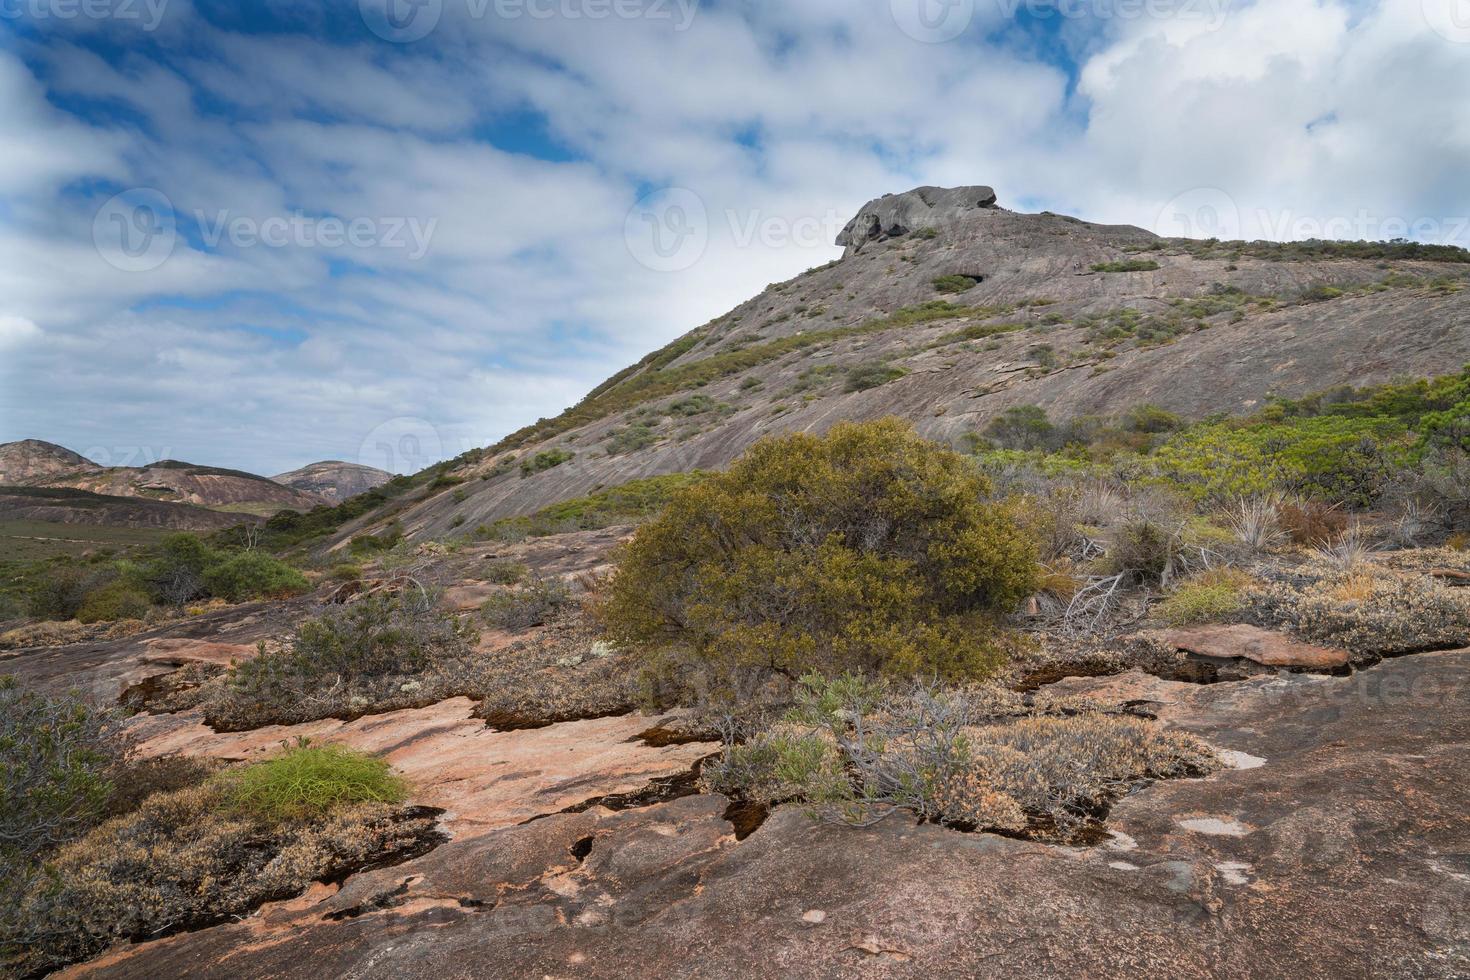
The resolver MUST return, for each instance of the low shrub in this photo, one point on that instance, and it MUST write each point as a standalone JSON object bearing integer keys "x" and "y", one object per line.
{"x": 1372, "y": 612}
{"x": 118, "y": 599}
{"x": 57, "y": 761}
{"x": 187, "y": 859}
{"x": 629, "y": 503}
{"x": 1312, "y": 523}
{"x": 253, "y": 575}
{"x": 532, "y": 605}
{"x": 864, "y": 376}
{"x": 630, "y": 439}
{"x": 1210, "y": 596}
{"x": 545, "y": 460}
{"x": 866, "y": 549}
{"x": 850, "y": 750}
{"x": 504, "y": 571}
{"x": 1127, "y": 265}
{"x": 955, "y": 283}
{"x": 312, "y": 781}
{"x": 340, "y": 663}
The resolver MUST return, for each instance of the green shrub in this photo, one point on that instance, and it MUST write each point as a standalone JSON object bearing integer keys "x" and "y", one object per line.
{"x": 175, "y": 573}
{"x": 533, "y": 605}
{"x": 1207, "y": 597}
{"x": 545, "y": 460}
{"x": 630, "y": 438}
{"x": 1337, "y": 459}
{"x": 504, "y": 571}
{"x": 118, "y": 599}
{"x": 1023, "y": 427}
{"x": 1127, "y": 265}
{"x": 1319, "y": 293}
{"x": 346, "y": 660}
{"x": 253, "y": 575}
{"x": 867, "y": 549}
{"x": 864, "y": 376}
{"x": 59, "y": 591}
{"x": 312, "y": 781}
{"x": 56, "y": 765}
{"x": 955, "y": 283}
{"x": 369, "y": 544}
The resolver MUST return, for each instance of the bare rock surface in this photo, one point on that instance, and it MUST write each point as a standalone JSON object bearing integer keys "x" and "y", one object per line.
{"x": 896, "y": 215}
{"x": 1341, "y": 850}
{"x": 485, "y": 779}
{"x": 1264, "y": 647}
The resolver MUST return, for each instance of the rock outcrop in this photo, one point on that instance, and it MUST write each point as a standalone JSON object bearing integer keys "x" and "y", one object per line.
{"x": 333, "y": 480}
{"x": 1254, "y": 871}
{"x": 896, "y": 215}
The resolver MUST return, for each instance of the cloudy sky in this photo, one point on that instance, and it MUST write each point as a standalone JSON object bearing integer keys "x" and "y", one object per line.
{"x": 257, "y": 233}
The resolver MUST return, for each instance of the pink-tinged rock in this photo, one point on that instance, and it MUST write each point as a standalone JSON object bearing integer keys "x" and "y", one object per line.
{"x": 485, "y": 779}
{"x": 1257, "y": 645}
{"x": 178, "y": 652}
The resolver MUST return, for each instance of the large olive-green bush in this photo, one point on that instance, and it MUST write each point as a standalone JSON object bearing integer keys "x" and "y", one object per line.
{"x": 867, "y": 549}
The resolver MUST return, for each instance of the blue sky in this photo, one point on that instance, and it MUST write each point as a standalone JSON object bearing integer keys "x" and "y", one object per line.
{"x": 257, "y": 234}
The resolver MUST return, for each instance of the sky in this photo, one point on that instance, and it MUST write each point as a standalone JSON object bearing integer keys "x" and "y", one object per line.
{"x": 260, "y": 233}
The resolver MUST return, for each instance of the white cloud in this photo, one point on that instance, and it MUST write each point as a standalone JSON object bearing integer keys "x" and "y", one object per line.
{"x": 16, "y": 330}
{"x": 791, "y": 114}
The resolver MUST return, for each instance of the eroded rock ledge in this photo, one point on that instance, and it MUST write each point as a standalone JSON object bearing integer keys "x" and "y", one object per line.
{"x": 1337, "y": 847}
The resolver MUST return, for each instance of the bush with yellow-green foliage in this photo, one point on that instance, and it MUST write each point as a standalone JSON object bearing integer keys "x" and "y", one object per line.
{"x": 1331, "y": 458}
{"x": 1210, "y": 596}
{"x": 216, "y": 850}
{"x": 868, "y": 549}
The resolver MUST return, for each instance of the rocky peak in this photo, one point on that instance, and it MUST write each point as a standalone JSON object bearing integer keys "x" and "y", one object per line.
{"x": 894, "y": 215}
{"x": 29, "y": 459}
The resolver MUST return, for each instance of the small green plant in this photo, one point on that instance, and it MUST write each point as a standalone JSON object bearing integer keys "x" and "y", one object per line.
{"x": 955, "y": 283}
{"x": 865, "y": 376}
{"x": 630, "y": 439}
{"x": 1210, "y": 596}
{"x": 1127, "y": 265}
{"x": 545, "y": 460}
{"x": 312, "y": 781}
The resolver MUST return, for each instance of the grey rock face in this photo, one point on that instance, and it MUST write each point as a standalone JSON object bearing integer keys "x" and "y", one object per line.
{"x": 895, "y": 215}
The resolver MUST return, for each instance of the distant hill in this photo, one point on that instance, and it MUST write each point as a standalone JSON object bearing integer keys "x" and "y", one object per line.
{"x": 947, "y": 310}
{"x": 334, "y": 480}
{"x": 37, "y": 464}
{"x": 63, "y": 505}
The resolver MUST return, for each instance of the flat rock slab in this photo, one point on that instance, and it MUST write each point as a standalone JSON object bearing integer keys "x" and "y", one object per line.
{"x": 485, "y": 779}
{"x": 1267, "y": 648}
{"x": 1346, "y": 854}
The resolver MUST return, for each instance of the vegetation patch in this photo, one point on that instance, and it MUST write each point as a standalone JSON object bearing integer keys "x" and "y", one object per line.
{"x": 629, "y": 503}
{"x": 1127, "y": 265}
{"x": 861, "y": 377}
{"x": 955, "y": 283}
{"x": 867, "y": 549}
{"x": 851, "y": 750}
